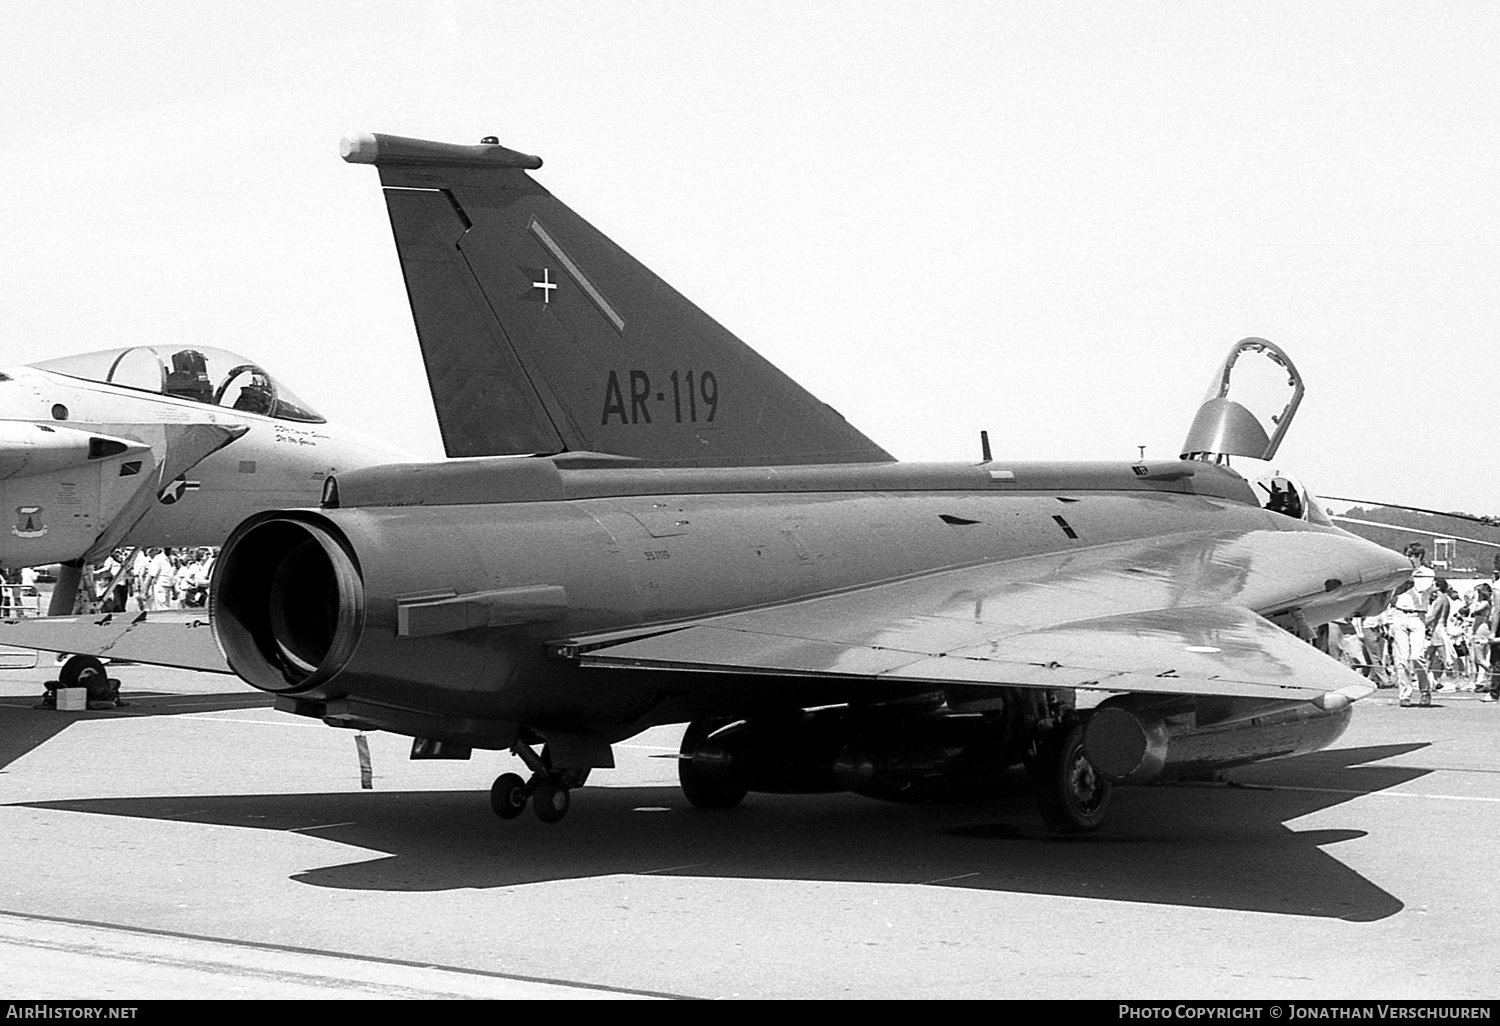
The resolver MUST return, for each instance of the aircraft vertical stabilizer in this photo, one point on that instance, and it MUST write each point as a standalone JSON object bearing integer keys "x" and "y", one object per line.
{"x": 541, "y": 335}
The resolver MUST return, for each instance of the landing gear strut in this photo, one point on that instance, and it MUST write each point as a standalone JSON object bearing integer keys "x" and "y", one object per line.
{"x": 548, "y": 790}
{"x": 1071, "y": 795}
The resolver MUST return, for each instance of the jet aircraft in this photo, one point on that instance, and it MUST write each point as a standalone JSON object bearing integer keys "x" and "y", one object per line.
{"x": 153, "y": 445}
{"x": 697, "y": 539}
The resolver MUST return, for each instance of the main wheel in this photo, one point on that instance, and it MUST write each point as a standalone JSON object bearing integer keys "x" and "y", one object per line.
{"x": 508, "y": 796}
{"x": 1071, "y": 795}
{"x": 705, "y": 792}
{"x": 84, "y": 671}
{"x": 550, "y": 800}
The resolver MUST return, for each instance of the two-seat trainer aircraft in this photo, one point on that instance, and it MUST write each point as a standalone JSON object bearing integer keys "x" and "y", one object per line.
{"x": 166, "y": 445}
{"x": 700, "y": 540}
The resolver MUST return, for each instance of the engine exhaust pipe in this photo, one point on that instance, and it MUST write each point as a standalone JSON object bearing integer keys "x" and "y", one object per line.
{"x": 287, "y": 602}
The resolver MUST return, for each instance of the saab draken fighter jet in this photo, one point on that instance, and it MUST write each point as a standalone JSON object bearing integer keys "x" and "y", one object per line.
{"x": 696, "y": 539}
{"x": 153, "y": 445}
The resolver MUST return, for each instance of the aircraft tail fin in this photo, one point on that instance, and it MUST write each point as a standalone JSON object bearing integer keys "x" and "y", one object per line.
{"x": 541, "y": 335}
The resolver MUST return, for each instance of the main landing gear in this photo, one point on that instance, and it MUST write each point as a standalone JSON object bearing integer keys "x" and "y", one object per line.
{"x": 548, "y": 790}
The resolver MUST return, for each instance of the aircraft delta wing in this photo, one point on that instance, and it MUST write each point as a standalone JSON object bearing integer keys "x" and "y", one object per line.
{"x": 175, "y": 637}
{"x": 1161, "y": 615}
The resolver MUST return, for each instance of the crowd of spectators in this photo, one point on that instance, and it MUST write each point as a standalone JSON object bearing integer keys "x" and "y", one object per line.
{"x": 1432, "y": 637}
{"x": 18, "y": 591}
{"x": 156, "y": 579}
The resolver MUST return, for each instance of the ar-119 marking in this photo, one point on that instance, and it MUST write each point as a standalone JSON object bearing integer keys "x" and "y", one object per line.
{"x": 694, "y": 396}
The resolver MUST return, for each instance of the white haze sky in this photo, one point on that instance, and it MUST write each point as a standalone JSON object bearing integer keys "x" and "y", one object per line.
{"x": 1050, "y": 220}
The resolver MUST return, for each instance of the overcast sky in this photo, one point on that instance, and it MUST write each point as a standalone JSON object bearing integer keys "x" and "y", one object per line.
{"x": 1049, "y": 220}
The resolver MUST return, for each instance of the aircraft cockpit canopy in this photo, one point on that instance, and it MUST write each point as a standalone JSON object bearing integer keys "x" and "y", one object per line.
{"x": 202, "y": 374}
{"x": 1249, "y": 405}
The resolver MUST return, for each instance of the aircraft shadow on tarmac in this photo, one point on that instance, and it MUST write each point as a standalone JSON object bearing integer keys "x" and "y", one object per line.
{"x": 1210, "y": 846}
{"x": 24, "y": 727}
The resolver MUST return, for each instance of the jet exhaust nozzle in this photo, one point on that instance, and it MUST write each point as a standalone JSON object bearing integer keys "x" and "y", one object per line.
{"x": 287, "y": 602}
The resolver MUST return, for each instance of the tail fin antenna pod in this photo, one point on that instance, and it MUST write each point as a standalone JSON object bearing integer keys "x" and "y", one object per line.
{"x": 540, "y": 334}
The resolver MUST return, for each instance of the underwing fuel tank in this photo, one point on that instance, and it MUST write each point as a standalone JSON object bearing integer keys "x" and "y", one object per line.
{"x": 896, "y": 753}
{"x": 1141, "y": 739}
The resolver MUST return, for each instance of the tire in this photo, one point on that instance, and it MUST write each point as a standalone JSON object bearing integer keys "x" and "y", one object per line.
{"x": 1070, "y": 794}
{"x": 550, "y": 800}
{"x": 508, "y": 796}
{"x": 84, "y": 671}
{"x": 700, "y": 791}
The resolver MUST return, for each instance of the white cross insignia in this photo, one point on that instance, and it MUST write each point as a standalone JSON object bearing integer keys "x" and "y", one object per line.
{"x": 546, "y": 285}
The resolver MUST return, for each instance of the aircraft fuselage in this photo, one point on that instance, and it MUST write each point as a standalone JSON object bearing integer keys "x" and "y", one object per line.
{"x": 445, "y": 595}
